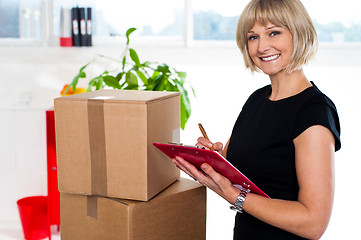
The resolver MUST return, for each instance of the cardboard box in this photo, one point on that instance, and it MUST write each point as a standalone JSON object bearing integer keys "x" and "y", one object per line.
{"x": 104, "y": 142}
{"x": 177, "y": 213}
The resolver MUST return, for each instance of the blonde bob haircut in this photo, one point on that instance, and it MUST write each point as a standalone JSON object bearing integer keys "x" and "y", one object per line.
{"x": 288, "y": 14}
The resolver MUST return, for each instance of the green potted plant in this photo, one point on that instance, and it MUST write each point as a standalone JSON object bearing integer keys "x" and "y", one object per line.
{"x": 135, "y": 75}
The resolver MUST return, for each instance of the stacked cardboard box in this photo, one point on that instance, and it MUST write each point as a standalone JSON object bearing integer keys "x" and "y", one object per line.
{"x": 176, "y": 213}
{"x": 110, "y": 171}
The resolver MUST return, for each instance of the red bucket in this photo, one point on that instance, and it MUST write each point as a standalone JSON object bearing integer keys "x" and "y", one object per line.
{"x": 34, "y": 217}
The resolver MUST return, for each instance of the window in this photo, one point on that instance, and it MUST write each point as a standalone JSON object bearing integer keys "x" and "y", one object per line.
{"x": 339, "y": 22}
{"x": 152, "y": 18}
{"x": 216, "y": 20}
{"x": 21, "y": 19}
{"x": 334, "y": 22}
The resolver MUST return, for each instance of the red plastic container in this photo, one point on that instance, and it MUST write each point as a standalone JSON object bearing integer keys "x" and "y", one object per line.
{"x": 34, "y": 217}
{"x": 53, "y": 193}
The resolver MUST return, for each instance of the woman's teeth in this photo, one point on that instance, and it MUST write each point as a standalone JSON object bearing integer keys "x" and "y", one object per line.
{"x": 270, "y": 58}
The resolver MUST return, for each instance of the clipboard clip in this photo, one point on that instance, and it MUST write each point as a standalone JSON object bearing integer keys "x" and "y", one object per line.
{"x": 181, "y": 144}
{"x": 177, "y": 144}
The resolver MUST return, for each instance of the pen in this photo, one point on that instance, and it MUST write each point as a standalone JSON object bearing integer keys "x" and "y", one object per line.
{"x": 204, "y": 133}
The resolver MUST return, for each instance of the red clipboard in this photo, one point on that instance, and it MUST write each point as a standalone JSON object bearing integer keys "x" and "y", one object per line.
{"x": 198, "y": 156}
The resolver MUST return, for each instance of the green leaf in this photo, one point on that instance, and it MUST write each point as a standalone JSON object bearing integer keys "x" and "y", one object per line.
{"x": 91, "y": 84}
{"x": 74, "y": 83}
{"x": 194, "y": 93}
{"x": 99, "y": 83}
{"x": 152, "y": 79}
{"x": 134, "y": 56}
{"x": 95, "y": 82}
{"x": 164, "y": 68}
{"x": 123, "y": 62}
{"x": 111, "y": 82}
{"x": 131, "y": 79}
{"x": 142, "y": 77}
{"x": 67, "y": 89}
{"x": 122, "y": 85}
{"x": 83, "y": 67}
{"x": 146, "y": 64}
{"x": 134, "y": 68}
{"x": 155, "y": 75}
{"x": 170, "y": 87}
{"x": 82, "y": 75}
{"x": 184, "y": 114}
{"x": 185, "y": 99}
{"x": 132, "y": 87}
{"x": 182, "y": 75}
{"x": 119, "y": 76}
{"x": 158, "y": 83}
{"x": 129, "y": 31}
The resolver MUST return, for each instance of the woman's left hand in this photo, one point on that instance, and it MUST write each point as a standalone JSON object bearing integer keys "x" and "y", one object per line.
{"x": 209, "y": 178}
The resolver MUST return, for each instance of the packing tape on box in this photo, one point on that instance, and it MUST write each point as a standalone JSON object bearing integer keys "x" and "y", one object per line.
{"x": 92, "y": 206}
{"x": 176, "y": 135}
{"x": 97, "y": 146}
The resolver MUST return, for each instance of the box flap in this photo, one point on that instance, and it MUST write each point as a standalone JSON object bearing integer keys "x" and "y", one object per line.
{"x": 179, "y": 186}
{"x": 111, "y": 95}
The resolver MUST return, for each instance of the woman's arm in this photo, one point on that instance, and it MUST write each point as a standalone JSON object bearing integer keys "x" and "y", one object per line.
{"x": 309, "y": 216}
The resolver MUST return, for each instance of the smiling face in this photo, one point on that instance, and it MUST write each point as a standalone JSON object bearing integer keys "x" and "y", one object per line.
{"x": 270, "y": 47}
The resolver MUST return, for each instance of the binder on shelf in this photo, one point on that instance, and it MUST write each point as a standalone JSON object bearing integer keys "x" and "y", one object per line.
{"x": 75, "y": 26}
{"x": 82, "y": 23}
{"x": 89, "y": 27}
{"x": 66, "y": 29}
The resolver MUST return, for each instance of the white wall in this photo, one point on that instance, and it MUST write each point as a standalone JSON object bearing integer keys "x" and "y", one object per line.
{"x": 31, "y": 77}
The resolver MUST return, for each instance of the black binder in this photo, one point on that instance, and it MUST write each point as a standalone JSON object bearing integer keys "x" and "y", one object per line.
{"x": 75, "y": 27}
{"x": 89, "y": 29}
{"x": 82, "y": 31}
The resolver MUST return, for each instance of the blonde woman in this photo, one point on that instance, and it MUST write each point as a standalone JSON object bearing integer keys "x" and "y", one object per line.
{"x": 286, "y": 134}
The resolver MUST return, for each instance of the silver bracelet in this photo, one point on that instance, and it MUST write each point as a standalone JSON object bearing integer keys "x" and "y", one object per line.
{"x": 238, "y": 205}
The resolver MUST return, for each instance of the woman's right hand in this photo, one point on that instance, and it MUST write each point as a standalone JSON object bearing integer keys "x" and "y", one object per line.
{"x": 203, "y": 142}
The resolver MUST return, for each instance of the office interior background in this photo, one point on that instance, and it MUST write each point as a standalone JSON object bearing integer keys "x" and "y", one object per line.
{"x": 195, "y": 36}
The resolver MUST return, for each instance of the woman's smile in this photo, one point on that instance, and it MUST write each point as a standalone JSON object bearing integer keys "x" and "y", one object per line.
{"x": 270, "y": 58}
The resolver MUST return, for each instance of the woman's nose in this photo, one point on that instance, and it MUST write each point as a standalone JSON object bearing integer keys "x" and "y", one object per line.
{"x": 263, "y": 45}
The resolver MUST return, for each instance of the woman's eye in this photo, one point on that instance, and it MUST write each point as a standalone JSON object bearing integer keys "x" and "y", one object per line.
{"x": 274, "y": 33}
{"x": 252, "y": 37}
